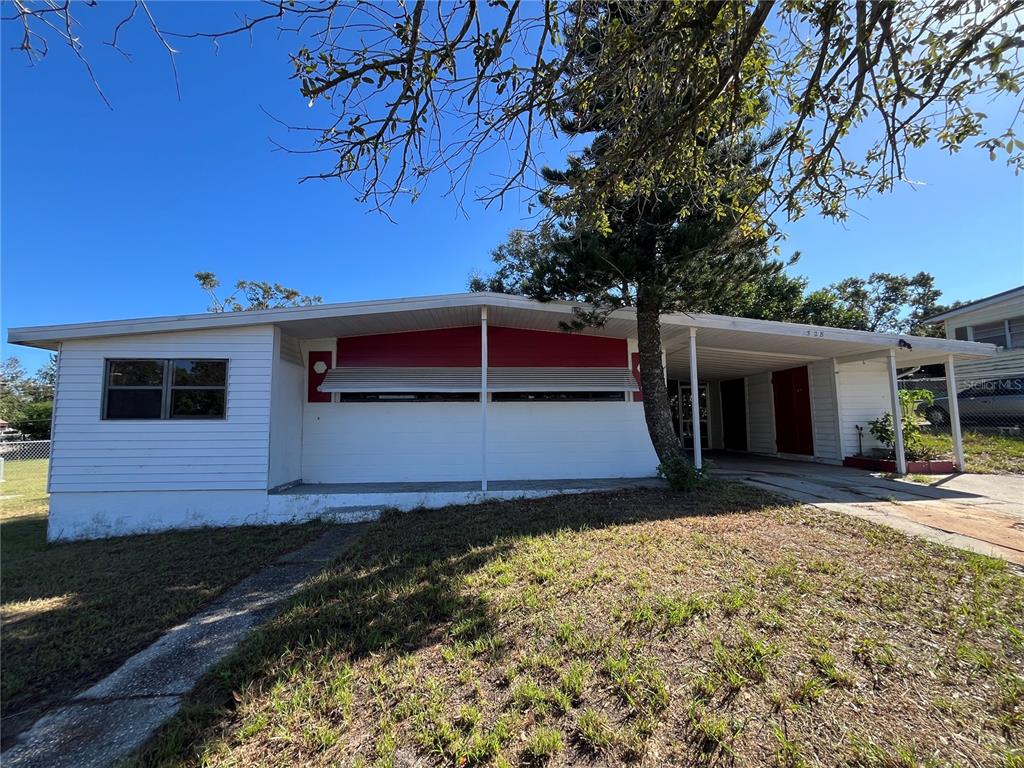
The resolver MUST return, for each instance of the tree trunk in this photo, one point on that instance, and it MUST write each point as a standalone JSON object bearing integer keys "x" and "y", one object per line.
{"x": 657, "y": 411}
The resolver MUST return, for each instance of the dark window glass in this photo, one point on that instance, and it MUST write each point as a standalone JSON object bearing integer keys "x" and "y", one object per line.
{"x": 197, "y": 403}
{"x": 993, "y": 333}
{"x": 510, "y": 397}
{"x": 162, "y": 389}
{"x": 960, "y": 334}
{"x": 408, "y": 397}
{"x": 200, "y": 373}
{"x": 134, "y": 403}
{"x": 1017, "y": 332}
{"x": 136, "y": 373}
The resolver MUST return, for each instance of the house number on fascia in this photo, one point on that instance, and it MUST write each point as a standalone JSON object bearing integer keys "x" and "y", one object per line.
{"x": 815, "y": 334}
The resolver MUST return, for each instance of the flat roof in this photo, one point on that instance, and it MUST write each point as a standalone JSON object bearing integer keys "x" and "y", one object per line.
{"x": 729, "y": 346}
{"x": 977, "y": 304}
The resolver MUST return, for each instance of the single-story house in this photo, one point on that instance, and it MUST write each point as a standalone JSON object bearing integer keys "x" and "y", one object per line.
{"x": 262, "y": 416}
{"x": 997, "y": 320}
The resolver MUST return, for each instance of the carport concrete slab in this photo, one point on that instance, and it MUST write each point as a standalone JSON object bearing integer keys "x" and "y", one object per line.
{"x": 980, "y": 513}
{"x": 112, "y": 719}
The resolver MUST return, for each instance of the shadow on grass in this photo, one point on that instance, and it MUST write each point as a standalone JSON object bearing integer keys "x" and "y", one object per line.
{"x": 74, "y": 611}
{"x": 399, "y": 586}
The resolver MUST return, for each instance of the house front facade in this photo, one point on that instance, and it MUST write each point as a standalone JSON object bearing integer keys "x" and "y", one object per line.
{"x": 285, "y": 414}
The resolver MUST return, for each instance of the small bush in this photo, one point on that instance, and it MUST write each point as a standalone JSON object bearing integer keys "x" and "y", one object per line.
{"x": 914, "y": 444}
{"x": 681, "y": 474}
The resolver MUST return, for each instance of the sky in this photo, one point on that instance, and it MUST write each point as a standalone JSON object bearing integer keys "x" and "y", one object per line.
{"x": 106, "y": 214}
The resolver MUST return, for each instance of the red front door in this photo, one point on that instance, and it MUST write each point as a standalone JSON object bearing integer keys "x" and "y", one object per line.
{"x": 792, "y": 394}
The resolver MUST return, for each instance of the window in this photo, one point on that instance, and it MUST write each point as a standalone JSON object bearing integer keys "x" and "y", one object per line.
{"x": 960, "y": 334}
{"x": 992, "y": 333}
{"x": 1016, "y": 332}
{"x": 165, "y": 389}
{"x": 408, "y": 397}
{"x": 561, "y": 397}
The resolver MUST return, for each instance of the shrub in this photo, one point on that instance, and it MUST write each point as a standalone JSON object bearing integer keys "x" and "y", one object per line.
{"x": 681, "y": 474}
{"x": 914, "y": 445}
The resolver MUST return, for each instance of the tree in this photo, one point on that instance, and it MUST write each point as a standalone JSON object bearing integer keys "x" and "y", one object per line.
{"x": 407, "y": 90}
{"x": 34, "y": 420}
{"x": 891, "y": 303}
{"x": 255, "y": 295}
{"x": 26, "y": 401}
{"x": 778, "y": 296}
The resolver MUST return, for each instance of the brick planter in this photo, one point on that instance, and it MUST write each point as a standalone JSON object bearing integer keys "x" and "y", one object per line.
{"x": 943, "y": 467}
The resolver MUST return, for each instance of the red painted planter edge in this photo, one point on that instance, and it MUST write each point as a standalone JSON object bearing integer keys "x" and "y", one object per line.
{"x": 941, "y": 467}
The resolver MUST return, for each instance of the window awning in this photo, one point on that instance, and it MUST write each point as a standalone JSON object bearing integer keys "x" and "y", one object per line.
{"x": 468, "y": 380}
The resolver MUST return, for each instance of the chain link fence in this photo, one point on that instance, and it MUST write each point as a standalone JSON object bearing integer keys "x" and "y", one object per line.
{"x": 991, "y": 420}
{"x": 24, "y": 450}
{"x": 989, "y": 406}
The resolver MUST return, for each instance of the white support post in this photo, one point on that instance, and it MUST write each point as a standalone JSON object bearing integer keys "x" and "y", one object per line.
{"x": 483, "y": 398}
{"x": 954, "y": 414}
{"x": 698, "y": 460}
{"x": 897, "y": 415}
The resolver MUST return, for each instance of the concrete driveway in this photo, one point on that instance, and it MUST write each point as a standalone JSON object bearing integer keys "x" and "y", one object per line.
{"x": 982, "y": 513}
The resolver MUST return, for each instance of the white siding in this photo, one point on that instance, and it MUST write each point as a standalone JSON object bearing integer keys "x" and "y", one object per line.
{"x": 288, "y": 394}
{"x": 823, "y": 410}
{"x": 1012, "y": 307}
{"x": 568, "y": 440}
{"x": 863, "y": 396}
{"x": 390, "y": 442}
{"x": 1006, "y": 363}
{"x": 760, "y": 412}
{"x": 90, "y": 454}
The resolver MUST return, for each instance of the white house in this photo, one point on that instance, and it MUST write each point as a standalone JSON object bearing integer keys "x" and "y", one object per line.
{"x": 997, "y": 320}
{"x": 247, "y": 417}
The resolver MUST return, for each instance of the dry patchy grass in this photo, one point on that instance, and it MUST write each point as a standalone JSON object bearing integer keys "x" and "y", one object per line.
{"x": 637, "y": 627}
{"x": 984, "y": 454}
{"x": 71, "y": 612}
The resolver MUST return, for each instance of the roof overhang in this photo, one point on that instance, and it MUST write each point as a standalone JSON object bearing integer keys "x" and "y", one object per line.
{"x": 974, "y": 306}
{"x": 726, "y": 346}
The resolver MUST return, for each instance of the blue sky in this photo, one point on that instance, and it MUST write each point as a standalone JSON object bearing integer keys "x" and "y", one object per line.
{"x": 107, "y": 214}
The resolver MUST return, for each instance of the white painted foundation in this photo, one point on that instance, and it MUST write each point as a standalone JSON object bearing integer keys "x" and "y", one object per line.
{"x": 76, "y": 516}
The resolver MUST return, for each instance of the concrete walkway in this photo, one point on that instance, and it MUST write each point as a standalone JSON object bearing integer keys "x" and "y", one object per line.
{"x": 106, "y": 723}
{"x": 980, "y": 513}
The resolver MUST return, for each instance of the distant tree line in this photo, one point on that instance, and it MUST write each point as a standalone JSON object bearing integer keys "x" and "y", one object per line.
{"x": 26, "y": 401}
{"x": 883, "y": 302}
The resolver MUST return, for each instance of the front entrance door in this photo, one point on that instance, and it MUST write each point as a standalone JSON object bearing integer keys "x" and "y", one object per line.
{"x": 734, "y": 415}
{"x": 792, "y": 396}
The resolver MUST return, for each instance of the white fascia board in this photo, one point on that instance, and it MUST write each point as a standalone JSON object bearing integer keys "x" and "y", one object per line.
{"x": 49, "y": 336}
{"x": 974, "y": 306}
{"x": 32, "y": 335}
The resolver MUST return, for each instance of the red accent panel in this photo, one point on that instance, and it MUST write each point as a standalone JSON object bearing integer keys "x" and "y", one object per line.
{"x": 792, "y": 396}
{"x": 520, "y": 348}
{"x": 638, "y": 397}
{"x": 316, "y": 379}
{"x": 442, "y": 348}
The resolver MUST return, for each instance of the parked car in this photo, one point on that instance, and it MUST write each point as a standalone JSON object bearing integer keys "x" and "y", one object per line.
{"x": 994, "y": 403}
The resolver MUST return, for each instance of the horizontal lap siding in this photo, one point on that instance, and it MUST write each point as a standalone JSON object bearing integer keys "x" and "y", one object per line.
{"x": 91, "y": 454}
{"x": 863, "y": 396}
{"x": 823, "y": 409}
{"x": 552, "y": 440}
{"x": 759, "y": 413}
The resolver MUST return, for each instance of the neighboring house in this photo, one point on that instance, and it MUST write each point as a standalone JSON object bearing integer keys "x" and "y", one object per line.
{"x": 997, "y": 320}
{"x": 991, "y": 391}
{"x": 283, "y": 414}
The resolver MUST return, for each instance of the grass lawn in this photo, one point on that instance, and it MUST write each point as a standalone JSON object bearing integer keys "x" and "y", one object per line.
{"x": 71, "y": 612}
{"x": 635, "y": 627}
{"x": 987, "y": 454}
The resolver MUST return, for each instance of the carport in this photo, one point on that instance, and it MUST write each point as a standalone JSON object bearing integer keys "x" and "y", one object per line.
{"x": 795, "y": 391}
